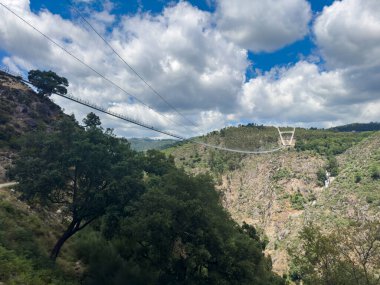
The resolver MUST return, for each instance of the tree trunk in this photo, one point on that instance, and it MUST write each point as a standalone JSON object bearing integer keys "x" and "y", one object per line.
{"x": 72, "y": 229}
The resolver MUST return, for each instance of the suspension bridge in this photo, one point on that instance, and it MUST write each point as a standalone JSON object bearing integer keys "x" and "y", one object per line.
{"x": 285, "y": 141}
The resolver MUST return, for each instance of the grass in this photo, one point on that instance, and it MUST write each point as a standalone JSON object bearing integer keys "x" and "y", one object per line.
{"x": 25, "y": 241}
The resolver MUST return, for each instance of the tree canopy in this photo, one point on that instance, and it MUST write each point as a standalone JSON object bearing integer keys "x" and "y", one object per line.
{"x": 83, "y": 172}
{"x": 48, "y": 82}
{"x": 347, "y": 256}
{"x": 176, "y": 233}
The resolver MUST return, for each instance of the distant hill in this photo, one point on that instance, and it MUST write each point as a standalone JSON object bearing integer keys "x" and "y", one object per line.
{"x": 143, "y": 144}
{"x": 358, "y": 127}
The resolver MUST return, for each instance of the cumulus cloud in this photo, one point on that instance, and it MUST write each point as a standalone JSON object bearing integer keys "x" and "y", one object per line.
{"x": 190, "y": 62}
{"x": 200, "y": 68}
{"x": 178, "y": 52}
{"x": 343, "y": 90}
{"x": 263, "y": 25}
{"x": 296, "y": 94}
{"x": 347, "y": 33}
{"x": 303, "y": 94}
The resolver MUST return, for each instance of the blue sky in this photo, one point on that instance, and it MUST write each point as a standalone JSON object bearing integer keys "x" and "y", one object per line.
{"x": 262, "y": 60}
{"x": 218, "y": 62}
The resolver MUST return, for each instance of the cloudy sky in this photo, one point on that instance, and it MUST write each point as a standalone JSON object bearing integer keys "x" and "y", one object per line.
{"x": 211, "y": 63}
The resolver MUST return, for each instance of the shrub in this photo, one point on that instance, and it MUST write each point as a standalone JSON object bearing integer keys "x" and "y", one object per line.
{"x": 358, "y": 178}
{"x": 297, "y": 201}
{"x": 375, "y": 173}
{"x": 321, "y": 177}
{"x": 281, "y": 174}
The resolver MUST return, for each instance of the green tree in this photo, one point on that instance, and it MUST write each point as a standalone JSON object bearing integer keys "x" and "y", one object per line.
{"x": 347, "y": 256}
{"x": 332, "y": 165}
{"x": 178, "y": 233}
{"x": 48, "y": 82}
{"x": 92, "y": 120}
{"x": 84, "y": 172}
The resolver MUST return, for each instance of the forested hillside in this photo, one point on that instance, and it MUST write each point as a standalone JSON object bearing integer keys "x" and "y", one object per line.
{"x": 285, "y": 195}
{"x": 357, "y": 127}
{"x": 90, "y": 210}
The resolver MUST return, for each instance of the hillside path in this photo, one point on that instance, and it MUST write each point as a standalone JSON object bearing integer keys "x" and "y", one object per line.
{"x": 8, "y": 184}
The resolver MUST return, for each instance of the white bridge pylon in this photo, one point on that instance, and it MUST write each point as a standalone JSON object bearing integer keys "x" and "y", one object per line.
{"x": 286, "y": 141}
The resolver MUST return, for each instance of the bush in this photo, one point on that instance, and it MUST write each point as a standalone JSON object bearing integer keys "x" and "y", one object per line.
{"x": 332, "y": 166}
{"x": 375, "y": 173}
{"x": 321, "y": 177}
{"x": 4, "y": 118}
{"x": 281, "y": 174}
{"x": 297, "y": 201}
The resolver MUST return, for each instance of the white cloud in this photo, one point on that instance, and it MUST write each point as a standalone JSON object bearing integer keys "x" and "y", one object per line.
{"x": 348, "y": 33}
{"x": 302, "y": 94}
{"x": 178, "y": 52}
{"x": 345, "y": 90}
{"x": 263, "y": 25}
{"x": 200, "y": 68}
{"x": 190, "y": 62}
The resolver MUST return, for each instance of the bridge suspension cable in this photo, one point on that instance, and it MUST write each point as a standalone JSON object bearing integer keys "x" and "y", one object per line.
{"x": 129, "y": 66}
{"x": 142, "y": 124}
{"x": 123, "y": 117}
{"x": 87, "y": 65}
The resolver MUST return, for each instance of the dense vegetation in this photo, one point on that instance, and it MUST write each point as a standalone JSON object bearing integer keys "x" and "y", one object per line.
{"x": 177, "y": 233}
{"x": 327, "y": 142}
{"x": 152, "y": 223}
{"x": 123, "y": 217}
{"x": 347, "y": 256}
{"x": 357, "y": 127}
{"x": 82, "y": 170}
{"x": 23, "y": 250}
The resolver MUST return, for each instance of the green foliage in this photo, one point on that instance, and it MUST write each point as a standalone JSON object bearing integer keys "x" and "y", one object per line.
{"x": 48, "y": 82}
{"x": 178, "y": 233}
{"x": 375, "y": 172}
{"x": 84, "y": 171}
{"x": 332, "y": 165}
{"x": 321, "y": 176}
{"x": 92, "y": 120}
{"x": 347, "y": 256}
{"x": 358, "y": 178}
{"x": 357, "y": 127}
{"x": 327, "y": 142}
{"x": 282, "y": 173}
{"x": 19, "y": 270}
{"x": 4, "y": 118}
{"x": 23, "y": 256}
{"x": 297, "y": 201}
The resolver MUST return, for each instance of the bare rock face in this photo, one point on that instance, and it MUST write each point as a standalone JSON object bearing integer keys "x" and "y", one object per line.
{"x": 262, "y": 193}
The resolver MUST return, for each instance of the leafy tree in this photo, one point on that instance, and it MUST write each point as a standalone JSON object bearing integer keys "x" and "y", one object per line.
{"x": 178, "y": 233}
{"x": 91, "y": 120}
{"x": 48, "y": 82}
{"x": 321, "y": 176}
{"x": 347, "y": 256}
{"x": 332, "y": 165}
{"x": 85, "y": 172}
